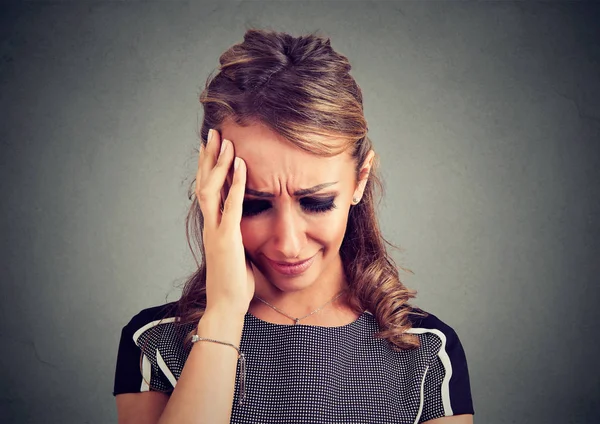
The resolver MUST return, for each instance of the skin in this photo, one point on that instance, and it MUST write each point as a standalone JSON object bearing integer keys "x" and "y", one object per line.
{"x": 285, "y": 231}
{"x": 288, "y": 230}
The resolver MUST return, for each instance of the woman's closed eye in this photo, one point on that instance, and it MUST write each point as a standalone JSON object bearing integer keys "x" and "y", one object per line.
{"x": 252, "y": 207}
{"x": 317, "y": 205}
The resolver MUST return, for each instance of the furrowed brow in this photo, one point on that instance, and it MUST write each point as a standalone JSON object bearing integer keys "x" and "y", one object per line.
{"x": 297, "y": 193}
{"x": 258, "y": 193}
{"x": 307, "y": 191}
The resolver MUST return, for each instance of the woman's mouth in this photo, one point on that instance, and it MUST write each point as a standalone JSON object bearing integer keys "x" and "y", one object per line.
{"x": 291, "y": 268}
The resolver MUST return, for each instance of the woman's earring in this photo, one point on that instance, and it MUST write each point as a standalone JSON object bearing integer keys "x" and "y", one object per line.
{"x": 355, "y": 200}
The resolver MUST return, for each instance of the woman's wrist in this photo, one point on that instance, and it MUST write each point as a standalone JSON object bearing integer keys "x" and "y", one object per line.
{"x": 226, "y": 311}
{"x": 221, "y": 324}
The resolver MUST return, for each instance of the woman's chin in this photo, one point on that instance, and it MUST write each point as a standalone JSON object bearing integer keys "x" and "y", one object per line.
{"x": 291, "y": 285}
{"x": 288, "y": 280}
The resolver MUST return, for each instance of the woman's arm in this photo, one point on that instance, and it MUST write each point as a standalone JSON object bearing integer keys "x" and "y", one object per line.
{"x": 143, "y": 407}
{"x": 454, "y": 419}
{"x": 204, "y": 391}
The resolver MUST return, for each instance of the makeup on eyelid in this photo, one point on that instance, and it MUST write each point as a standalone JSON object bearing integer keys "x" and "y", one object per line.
{"x": 320, "y": 204}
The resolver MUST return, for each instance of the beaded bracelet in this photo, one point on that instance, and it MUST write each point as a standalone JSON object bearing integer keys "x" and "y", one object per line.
{"x": 241, "y": 360}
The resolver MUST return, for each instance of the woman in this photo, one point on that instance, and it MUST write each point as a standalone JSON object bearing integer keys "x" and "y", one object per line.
{"x": 296, "y": 312}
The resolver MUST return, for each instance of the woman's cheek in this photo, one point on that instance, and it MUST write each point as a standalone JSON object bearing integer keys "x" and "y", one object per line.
{"x": 251, "y": 233}
{"x": 331, "y": 226}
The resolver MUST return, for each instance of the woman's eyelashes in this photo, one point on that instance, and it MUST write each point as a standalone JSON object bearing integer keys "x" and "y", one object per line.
{"x": 252, "y": 207}
{"x": 317, "y": 205}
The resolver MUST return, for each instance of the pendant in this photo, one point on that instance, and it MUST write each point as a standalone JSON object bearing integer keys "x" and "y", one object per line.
{"x": 297, "y": 321}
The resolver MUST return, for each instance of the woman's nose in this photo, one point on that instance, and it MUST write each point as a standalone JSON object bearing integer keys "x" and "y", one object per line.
{"x": 289, "y": 234}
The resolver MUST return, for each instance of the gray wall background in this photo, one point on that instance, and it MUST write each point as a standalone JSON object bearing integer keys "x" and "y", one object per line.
{"x": 487, "y": 120}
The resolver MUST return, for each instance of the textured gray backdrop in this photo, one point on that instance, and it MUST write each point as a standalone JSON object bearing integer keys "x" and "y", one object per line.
{"x": 487, "y": 120}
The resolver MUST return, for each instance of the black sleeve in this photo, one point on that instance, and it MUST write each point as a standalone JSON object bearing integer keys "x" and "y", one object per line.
{"x": 135, "y": 372}
{"x": 447, "y": 387}
{"x": 128, "y": 378}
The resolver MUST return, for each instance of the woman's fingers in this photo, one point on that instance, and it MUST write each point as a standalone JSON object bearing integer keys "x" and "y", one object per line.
{"x": 212, "y": 177}
{"x": 200, "y": 189}
{"x": 208, "y": 197}
{"x": 210, "y": 154}
{"x": 232, "y": 210}
{"x": 217, "y": 181}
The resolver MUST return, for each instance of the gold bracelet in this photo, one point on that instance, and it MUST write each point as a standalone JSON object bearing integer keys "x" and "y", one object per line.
{"x": 241, "y": 360}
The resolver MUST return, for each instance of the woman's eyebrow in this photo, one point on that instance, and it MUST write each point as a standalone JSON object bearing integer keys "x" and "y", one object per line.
{"x": 297, "y": 193}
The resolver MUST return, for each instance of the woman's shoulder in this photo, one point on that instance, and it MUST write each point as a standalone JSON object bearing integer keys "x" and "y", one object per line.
{"x": 151, "y": 317}
{"x": 160, "y": 334}
{"x": 421, "y": 319}
{"x": 437, "y": 329}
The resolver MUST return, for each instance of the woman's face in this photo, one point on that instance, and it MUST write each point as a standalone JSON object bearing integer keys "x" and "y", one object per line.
{"x": 295, "y": 208}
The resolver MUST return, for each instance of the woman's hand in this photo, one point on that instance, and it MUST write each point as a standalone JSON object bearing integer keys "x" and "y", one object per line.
{"x": 229, "y": 277}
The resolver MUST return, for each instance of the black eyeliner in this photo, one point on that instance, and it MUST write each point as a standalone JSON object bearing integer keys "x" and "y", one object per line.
{"x": 314, "y": 204}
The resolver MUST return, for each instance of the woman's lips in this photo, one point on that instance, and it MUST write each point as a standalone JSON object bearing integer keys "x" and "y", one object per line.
{"x": 291, "y": 269}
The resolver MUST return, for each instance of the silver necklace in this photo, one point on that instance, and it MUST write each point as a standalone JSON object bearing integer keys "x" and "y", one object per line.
{"x": 297, "y": 320}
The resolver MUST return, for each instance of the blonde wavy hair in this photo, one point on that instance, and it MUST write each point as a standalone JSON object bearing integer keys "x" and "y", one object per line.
{"x": 301, "y": 88}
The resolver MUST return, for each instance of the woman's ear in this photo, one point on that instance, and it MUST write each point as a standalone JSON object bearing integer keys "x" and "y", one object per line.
{"x": 363, "y": 177}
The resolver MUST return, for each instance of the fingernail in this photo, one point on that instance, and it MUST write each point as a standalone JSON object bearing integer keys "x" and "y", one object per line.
{"x": 224, "y": 144}
{"x": 210, "y": 136}
{"x": 236, "y": 163}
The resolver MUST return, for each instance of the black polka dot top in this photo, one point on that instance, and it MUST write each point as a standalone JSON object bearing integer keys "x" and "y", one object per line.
{"x": 311, "y": 374}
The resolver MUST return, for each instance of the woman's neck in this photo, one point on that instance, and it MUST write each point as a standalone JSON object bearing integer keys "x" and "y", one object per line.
{"x": 336, "y": 314}
{"x": 321, "y": 296}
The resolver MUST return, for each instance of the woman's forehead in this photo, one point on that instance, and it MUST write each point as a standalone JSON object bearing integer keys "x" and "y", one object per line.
{"x": 259, "y": 137}
{"x": 272, "y": 160}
